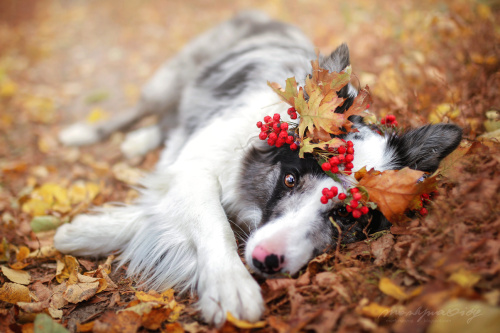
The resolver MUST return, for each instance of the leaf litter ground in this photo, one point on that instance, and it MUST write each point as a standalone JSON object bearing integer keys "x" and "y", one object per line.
{"x": 423, "y": 63}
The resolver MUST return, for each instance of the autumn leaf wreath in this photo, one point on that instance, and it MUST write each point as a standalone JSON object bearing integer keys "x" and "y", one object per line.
{"x": 319, "y": 132}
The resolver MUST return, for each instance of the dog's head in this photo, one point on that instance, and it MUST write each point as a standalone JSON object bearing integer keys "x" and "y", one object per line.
{"x": 280, "y": 192}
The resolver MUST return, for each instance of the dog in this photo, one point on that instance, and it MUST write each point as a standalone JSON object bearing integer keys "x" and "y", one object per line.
{"x": 216, "y": 180}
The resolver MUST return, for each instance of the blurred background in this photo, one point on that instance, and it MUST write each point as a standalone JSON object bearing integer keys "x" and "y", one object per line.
{"x": 62, "y": 61}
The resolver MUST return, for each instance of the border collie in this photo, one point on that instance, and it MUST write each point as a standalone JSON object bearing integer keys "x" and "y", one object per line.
{"x": 215, "y": 175}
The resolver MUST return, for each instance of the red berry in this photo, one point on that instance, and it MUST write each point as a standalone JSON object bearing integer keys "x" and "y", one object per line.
{"x": 329, "y": 194}
{"x": 326, "y": 166}
{"x": 334, "y": 160}
{"x": 342, "y": 196}
{"x": 273, "y": 137}
{"x": 271, "y": 142}
{"x": 324, "y": 200}
{"x": 263, "y": 135}
{"x": 283, "y": 135}
{"x": 334, "y": 169}
{"x": 279, "y": 143}
{"x": 364, "y": 210}
{"x": 348, "y": 208}
{"x": 290, "y": 110}
{"x": 267, "y": 119}
{"x": 382, "y": 121}
{"x": 354, "y": 190}
{"x": 423, "y": 211}
{"x": 293, "y": 146}
{"x": 341, "y": 159}
{"x": 342, "y": 150}
{"x": 349, "y": 165}
{"x": 350, "y": 150}
{"x": 284, "y": 126}
{"x": 356, "y": 214}
{"x": 349, "y": 158}
{"x": 276, "y": 126}
{"x": 276, "y": 117}
{"x": 289, "y": 140}
{"x": 325, "y": 191}
{"x": 350, "y": 144}
{"x": 367, "y": 106}
{"x": 293, "y": 115}
{"x": 357, "y": 196}
{"x": 395, "y": 123}
{"x": 334, "y": 190}
{"x": 264, "y": 128}
{"x": 391, "y": 118}
{"x": 259, "y": 124}
{"x": 354, "y": 203}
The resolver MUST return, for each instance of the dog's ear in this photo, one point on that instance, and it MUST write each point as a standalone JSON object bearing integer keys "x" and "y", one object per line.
{"x": 422, "y": 148}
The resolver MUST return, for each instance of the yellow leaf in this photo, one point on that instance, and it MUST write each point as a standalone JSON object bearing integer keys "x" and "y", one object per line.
{"x": 165, "y": 298}
{"x": 96, "y": 115}
{"x": 17, "y": 276}
{"x": 58, "y": 192}
{"x": 465, "y": 316}
{"x": 67, "y": 269}
{"x": 243, "y": 323}
{"x": 8, "y": 89}
{"x": 389, "y": 288}
{"x": 375, "y": 310}
{"x": 13, "y": 293}
{"x": 465, "y": 278}
{"x": 441, "y": 111}
{"x": 23, "y": 253}
{"x": 35, "y": 207}
{"x": 48, "y": 251}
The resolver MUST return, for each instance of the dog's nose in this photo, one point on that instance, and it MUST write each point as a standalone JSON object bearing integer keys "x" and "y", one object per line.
{"x": 265, "y": 261}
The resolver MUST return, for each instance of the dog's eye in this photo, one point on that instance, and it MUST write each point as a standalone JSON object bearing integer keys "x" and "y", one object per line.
{"x": 290, "y": 180}
{"x": 342, "y": 211}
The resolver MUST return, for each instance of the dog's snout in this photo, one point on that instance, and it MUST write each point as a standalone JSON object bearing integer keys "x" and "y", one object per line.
{"x": 266, "y": 261}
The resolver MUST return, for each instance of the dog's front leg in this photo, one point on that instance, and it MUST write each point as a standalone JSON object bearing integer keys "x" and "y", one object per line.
{"x": 223, "y": 282}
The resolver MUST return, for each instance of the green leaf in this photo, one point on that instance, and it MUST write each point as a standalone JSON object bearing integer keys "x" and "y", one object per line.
{"x": 45, "y": 223}
{"x": 45, "y": 324}
{"x": 290, "y": 92}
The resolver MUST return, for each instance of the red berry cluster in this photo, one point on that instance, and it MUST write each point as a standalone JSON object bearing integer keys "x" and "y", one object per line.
{"x": 292, "y": 113}
{"x": 354, "y": 206}
{"x": 329, "y": 194}
{"x": 276, "y": 131}
{"x": 425, "y": 198}
{"x": 389, "y": 120}
{"x": 343, "y": 156}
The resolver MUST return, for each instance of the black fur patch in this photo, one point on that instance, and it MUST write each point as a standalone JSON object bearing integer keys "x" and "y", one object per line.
{"x": 235, "y": 84}
{"x": 423, "y": 148}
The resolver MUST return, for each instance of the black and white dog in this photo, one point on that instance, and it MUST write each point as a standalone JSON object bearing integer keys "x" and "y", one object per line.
{"x": 215, "y": 174}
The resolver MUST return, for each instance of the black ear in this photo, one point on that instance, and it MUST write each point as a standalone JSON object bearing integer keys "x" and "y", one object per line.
{"x": 337, "y": 60}
{"x": 422, "y": 148}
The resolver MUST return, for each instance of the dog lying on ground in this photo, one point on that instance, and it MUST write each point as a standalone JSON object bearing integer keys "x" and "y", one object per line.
{"x": 215, "y": 175}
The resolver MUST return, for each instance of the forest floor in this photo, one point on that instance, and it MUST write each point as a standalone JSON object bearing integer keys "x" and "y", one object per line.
{"x": 425, "y": 61}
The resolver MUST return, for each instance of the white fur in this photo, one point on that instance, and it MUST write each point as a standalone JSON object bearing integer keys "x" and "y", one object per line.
{"x": 79, "y": 134}
{"x": 139, "y": 142}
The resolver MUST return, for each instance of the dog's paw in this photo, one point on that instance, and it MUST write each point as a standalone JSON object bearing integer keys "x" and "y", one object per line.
{"x": 229, "y": 290}
{"x": 141, "y": 141}
{"x": 79, "y": 134}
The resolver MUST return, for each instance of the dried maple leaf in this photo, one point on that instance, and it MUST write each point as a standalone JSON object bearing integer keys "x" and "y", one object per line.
{"x": 308, "y": 147}
{"x": 393, "y": 191}
{"x": 319, "y": 111}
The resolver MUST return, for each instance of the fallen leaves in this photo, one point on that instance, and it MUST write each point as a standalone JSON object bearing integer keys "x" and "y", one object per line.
{"x": 13, "y": 293}
{"x": 16, "y": 275}
{"x": 243, "y": 324}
